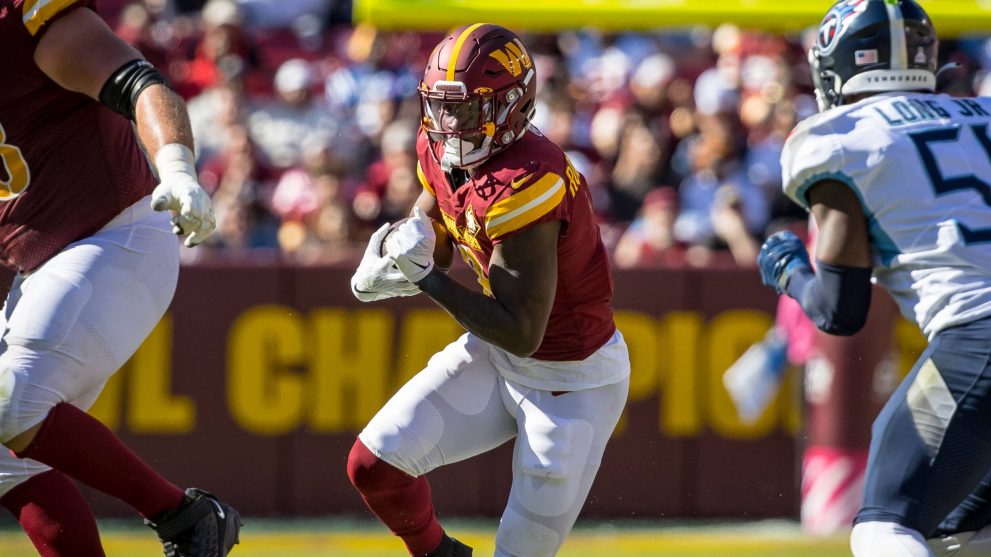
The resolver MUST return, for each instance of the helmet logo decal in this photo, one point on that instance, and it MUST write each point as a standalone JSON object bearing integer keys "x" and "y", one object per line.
{"x": 836, "y": 22}
{"x": 514, "y": 57}
{"x": 865, "y": 57}
{"x": 920, "y": 56}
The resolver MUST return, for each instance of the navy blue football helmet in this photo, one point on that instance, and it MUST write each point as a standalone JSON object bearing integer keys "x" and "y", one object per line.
{"x": 870, "y": 46}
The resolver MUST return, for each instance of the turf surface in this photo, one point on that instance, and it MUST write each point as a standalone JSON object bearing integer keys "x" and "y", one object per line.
{"x": 344, "y": 538}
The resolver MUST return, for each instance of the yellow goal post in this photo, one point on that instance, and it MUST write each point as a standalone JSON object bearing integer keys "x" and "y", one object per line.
{"x": 952, "y": 18}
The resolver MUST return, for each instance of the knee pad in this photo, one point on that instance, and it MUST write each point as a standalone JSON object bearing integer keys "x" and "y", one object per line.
{"x": 553, "y": 458}
{"x": 887, "y": 539}
{"x": 22, "y": 405}
{"x": 369, "y": 474}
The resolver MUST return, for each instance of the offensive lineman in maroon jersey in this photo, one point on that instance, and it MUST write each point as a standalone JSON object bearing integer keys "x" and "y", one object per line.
{"x": 85, "y": 227}
{"x": 542, "y": 360}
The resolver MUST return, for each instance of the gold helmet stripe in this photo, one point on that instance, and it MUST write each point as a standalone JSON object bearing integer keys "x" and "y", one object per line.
{"x": 456, "y": 51}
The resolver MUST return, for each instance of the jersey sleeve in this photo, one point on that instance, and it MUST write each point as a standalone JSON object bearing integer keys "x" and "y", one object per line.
{"x": 537, "y": 197}
{"x": 812, "y": 153}
{"x": 38, "y": 15}
{"x": 423, "y": 150}
{"x": 423, "y": 179}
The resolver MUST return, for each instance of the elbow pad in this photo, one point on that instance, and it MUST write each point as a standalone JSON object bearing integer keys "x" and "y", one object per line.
{"x": 835, "y": 297}
{"x": 120, "y": 92}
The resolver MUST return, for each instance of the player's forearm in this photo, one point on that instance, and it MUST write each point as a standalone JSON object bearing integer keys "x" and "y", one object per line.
{"x": 486, "y": 317}
{"x": 161, "y": 119}
{"x": 836, "y": 298}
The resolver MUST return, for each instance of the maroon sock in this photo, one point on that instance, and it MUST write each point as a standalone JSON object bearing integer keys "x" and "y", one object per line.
{"x": 399, "y": 500}
{"x": 55, "y": 516}
{"x": 78, "y": 445}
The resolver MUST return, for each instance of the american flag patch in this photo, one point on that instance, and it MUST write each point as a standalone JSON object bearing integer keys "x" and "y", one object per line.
{"x": 864, "y": 57}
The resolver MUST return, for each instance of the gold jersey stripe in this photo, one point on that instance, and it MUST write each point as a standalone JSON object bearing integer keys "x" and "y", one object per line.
{"x": 456, "y": 51}
{"x": 521, "y": 209}
{"x": 423, "y": 180}
{"x": 38, "y": 12}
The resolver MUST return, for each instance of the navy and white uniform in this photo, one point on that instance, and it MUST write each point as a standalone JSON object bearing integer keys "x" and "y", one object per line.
{"x": 921, "y": 166}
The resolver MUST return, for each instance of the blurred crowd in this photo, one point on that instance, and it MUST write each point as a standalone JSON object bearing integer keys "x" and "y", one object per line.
{"x": 305, "y": 125}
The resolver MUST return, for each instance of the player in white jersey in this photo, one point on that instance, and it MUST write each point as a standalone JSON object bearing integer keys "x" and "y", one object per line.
{"x": 899, "y": 181}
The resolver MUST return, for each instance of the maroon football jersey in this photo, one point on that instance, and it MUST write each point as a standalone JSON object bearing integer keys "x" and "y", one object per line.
{"x": 70, "y": 164}
{"x": 530, "y": 183}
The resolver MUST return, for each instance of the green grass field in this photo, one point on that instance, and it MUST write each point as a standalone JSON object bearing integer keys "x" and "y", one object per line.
{"x": 337, "y": 538}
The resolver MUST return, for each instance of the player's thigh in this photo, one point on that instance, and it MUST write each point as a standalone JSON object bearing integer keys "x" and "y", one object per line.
{"x": 75, "y": 320}
{"x": 929, "y": 446}
{"x": 450, "y": 411}
{"x": 557, "y": 455}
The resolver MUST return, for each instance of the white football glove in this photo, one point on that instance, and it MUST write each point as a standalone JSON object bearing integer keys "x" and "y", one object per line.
{"x": 411, "y": 246}
{"x": 180, "y": 193}
{"x": 377, "y": 278}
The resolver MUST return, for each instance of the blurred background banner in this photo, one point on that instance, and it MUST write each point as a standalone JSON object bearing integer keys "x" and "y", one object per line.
{"x": 262, "y": 396}
{"x": 952, "y": 17}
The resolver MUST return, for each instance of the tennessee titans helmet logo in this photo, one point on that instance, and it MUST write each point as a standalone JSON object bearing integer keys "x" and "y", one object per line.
{"x": 837, "y": 21}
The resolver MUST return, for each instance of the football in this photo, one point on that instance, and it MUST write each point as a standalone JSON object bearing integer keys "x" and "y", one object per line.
{"x": 443, "y": 249}
{"x": 392, "y": 228}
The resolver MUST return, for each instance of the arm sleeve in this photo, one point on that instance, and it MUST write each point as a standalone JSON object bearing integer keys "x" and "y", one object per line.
{"x": 835, "y": 297}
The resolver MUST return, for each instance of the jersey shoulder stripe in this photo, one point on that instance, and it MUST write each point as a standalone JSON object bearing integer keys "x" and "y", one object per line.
{"x": 524, "y": 207}
{"x": 38, "y": 12}
{"x": 423, "y": 180}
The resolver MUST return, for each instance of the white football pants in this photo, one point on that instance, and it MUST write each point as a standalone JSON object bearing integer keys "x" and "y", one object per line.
{"x": 71, "y": 323}
{"x": 460, "y": 406}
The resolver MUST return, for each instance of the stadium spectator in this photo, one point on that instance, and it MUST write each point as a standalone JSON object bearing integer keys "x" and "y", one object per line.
{"x": 628, "y": 108}
{"x": 649, "y": 240}
{"x": 717, "y": 176}
{"x": 281, "y": 126}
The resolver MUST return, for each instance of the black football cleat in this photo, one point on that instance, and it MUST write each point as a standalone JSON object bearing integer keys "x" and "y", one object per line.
{"x": 202, "y": 526}
{"x": 459, "y": 549}
{"x": 450, "y": 547}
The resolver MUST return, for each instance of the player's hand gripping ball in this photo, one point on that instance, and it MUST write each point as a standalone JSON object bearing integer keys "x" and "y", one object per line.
{"x": 411, "y": 246}
{"x": 443, "y": 247}
{"x": 377, "y": 278}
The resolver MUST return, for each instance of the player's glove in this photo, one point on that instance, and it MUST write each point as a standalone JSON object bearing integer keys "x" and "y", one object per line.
{"x": 411, "y": 246}
{"x": 377, "y": 278}
{"x": 781, "y": 255}
{"x": 180, "y": 193}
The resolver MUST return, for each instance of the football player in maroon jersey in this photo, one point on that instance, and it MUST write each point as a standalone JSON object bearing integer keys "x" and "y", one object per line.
{"x": 542, "y": 361}
{"x": 89, "y": 235}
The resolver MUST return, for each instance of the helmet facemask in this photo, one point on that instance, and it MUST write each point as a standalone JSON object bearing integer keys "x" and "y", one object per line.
{"x": 465, "y": 129}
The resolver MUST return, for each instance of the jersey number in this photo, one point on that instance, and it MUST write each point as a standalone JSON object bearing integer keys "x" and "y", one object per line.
{"x": 943, "y": 185}
{"x": 18, "y": 177}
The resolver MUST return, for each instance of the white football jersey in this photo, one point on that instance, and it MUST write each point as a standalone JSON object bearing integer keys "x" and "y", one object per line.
{"x": 921, "y": 166}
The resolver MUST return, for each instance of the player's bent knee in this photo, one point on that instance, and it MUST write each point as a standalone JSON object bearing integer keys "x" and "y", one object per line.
{"x": 887, "y": 539}
{"x": 19, "y": 413}
{"x": 554, "y": 457}
{"x": 370, "y": 474}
